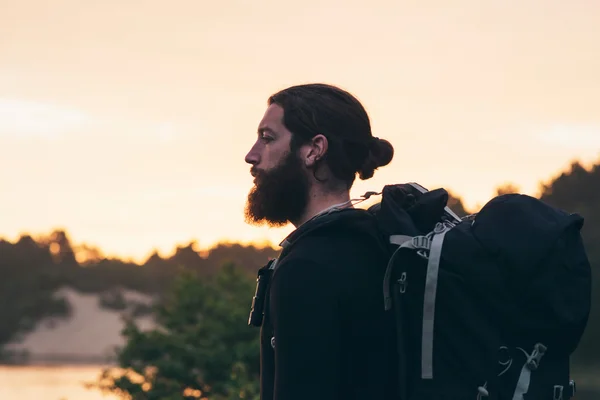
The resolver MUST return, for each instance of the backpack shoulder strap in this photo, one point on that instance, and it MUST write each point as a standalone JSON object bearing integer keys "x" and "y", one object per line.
{"x": 429, "y": 247}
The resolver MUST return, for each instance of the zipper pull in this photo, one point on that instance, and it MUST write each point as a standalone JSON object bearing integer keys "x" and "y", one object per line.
{"x": 402, "y": 282}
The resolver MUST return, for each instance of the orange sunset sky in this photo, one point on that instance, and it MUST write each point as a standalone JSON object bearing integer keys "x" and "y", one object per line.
{"x": 126, "y": 122}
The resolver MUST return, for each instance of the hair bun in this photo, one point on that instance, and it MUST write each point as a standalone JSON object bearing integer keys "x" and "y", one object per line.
{"x": 381, "y": 153}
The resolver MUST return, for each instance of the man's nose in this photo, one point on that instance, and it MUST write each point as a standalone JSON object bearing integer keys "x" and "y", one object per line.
{"x": 252, "y": 157}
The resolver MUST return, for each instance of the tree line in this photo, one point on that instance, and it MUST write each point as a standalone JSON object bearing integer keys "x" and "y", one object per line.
{"x": 215, "y": 286}
{"x": 33, "y": 269}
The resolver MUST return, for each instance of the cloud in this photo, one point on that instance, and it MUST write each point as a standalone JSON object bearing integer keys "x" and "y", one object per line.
{"x": 23, "y": 118}
{"x": 580, "y": 137}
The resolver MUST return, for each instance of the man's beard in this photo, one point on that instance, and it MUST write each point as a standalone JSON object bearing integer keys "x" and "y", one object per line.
{"x": 279, "y": 195}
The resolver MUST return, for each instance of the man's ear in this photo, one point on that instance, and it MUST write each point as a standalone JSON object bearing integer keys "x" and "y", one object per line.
{"x": 315, "y": 150}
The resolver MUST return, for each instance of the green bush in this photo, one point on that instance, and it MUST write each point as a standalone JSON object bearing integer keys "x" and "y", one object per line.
{"x": 201, "y": 347}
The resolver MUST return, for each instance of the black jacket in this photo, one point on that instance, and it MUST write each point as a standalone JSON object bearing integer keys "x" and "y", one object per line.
{"x": 325, "y": 334}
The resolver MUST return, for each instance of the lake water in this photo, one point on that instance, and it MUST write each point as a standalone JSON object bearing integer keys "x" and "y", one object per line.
{"x": 49, "y": 383}
{"x": 67, "y": 383}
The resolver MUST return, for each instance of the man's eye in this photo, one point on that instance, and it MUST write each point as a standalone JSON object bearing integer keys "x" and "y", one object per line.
{"x": 266, "y": 138}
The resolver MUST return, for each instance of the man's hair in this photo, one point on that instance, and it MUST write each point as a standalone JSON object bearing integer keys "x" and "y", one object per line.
{"x": 313, "y": 109}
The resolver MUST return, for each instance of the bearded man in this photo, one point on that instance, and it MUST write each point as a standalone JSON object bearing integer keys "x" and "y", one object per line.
{"x": 325, "y": 334}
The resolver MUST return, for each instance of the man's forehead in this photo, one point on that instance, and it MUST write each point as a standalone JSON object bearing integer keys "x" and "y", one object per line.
{"x": 273, "y": 118}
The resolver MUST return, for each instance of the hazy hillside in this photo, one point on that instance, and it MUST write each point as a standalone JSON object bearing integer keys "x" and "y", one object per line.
{"x": 88, "y": 335}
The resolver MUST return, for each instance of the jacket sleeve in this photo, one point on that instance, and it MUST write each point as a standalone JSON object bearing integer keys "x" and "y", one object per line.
{"x": 306, "y": 321}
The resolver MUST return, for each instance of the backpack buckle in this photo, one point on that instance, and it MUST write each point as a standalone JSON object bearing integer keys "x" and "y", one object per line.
{"x": 558, "y": 392}
{"x": 573, "y": 387}
{"x": 440, "y": 227}
{"x": 533, "y": 360}
{"x": 421, "y": 242}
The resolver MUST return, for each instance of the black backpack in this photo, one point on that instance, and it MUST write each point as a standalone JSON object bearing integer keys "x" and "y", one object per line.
{"x": 488, "y": 306}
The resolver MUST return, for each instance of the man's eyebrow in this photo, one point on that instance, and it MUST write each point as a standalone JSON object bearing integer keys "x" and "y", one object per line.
{"x": 266, "y": 129}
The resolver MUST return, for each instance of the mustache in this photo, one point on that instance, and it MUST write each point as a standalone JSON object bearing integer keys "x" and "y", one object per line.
{"x": 255, "y": 172}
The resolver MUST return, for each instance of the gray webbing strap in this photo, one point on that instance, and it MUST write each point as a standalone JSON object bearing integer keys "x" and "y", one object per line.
{"x": 522, "y": 383}
{"x": 411, "y": 242}
{"x": 400, "y": 239}
{"x": 403, "y": 242}
{"x": 533, "y": 361}
{"x": 431, "y": 280}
